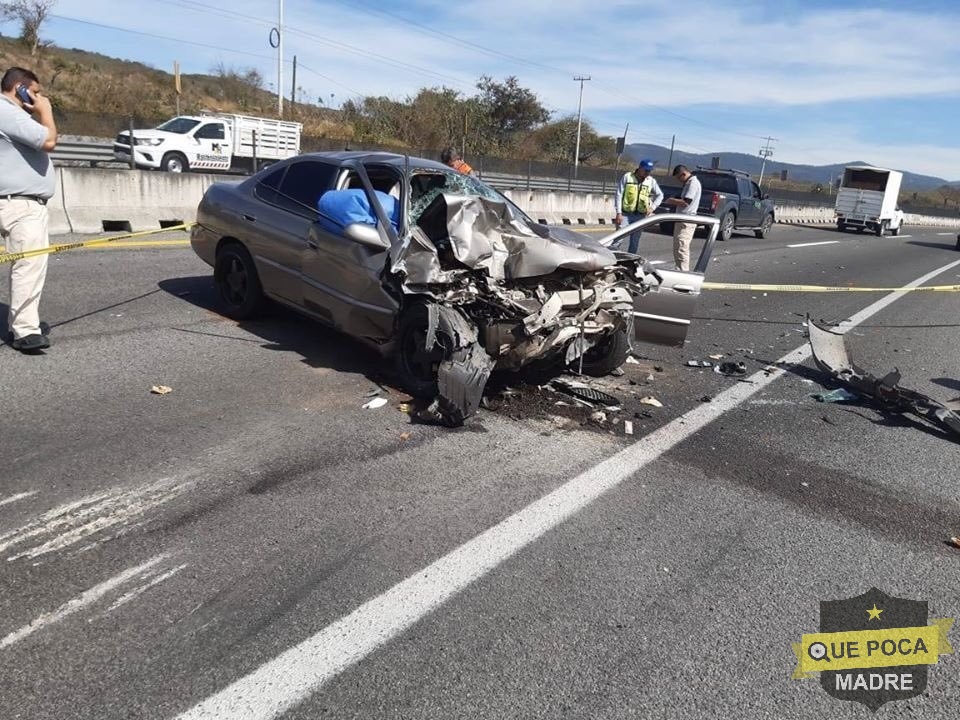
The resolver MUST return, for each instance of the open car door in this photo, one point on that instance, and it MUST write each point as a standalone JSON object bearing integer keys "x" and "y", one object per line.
{"x": 662, "y": 315}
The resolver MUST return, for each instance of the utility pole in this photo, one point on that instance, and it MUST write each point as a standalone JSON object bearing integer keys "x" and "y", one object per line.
{"x": 765, "y": 152}
{"x": 176, "y": 83}
{"x": 620, "y": 148}
{"x": 280, "y": 62}
{"x": 673, "y": 140}
{"x": 293, "y": 87}
{"x": 576, "y": 153}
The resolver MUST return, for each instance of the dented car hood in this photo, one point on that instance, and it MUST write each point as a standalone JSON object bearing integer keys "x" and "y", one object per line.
{"x": 460, "y": 232}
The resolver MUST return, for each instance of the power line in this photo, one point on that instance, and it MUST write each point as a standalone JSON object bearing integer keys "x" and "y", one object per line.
{"x": 362, "y": 52}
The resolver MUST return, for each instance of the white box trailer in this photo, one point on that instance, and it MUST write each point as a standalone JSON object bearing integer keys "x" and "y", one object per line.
{"x": 210, "y": 141}
{"x": 868, "y": 199}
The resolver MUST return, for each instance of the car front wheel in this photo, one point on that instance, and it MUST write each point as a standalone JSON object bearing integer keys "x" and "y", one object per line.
{"x": 606, "y": 356}
{"x": 237, "y": 282}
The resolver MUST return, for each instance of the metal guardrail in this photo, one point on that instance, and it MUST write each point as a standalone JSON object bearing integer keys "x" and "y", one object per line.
{"x": 83, "y": 152}
{"x": 504, "y": 181}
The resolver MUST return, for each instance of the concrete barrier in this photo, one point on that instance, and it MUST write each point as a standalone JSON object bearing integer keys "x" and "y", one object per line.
{"x": 92, "y": 200}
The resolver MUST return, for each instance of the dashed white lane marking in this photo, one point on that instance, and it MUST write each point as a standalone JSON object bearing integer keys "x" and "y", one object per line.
{"x": 83, "y": 600}
{"x": 824, "y": 242}
{"x": 151, "y": 582}
{"x": 68, "y": 524}
{"x": 949, "y": 233}
{"x": 658, "y": 262}
{"x": 294, "y": 675}
{"x": 903, "y": 236}
{"x": 18, "y": 496}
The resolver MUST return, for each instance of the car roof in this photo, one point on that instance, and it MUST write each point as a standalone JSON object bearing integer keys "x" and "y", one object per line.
{"x": 385, "y": 158}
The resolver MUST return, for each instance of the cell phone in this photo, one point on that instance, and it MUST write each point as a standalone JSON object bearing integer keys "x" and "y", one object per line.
{"x": 24, "y": 95}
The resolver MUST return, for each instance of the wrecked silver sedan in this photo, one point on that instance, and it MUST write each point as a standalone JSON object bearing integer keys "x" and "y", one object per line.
{"x": 437, "y": 270}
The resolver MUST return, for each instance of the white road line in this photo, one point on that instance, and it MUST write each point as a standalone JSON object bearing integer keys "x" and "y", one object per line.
{"x": 949, "y": 233}
{"x": 84, "y": 599}
{"x": 903, "y": 236}
{"x": 291, "y": 677}
{"x": 658, "y": 262}
{"x": 18, "y": 496}
{"x": 137, "y": 592}
{"x": 825, "y": 242}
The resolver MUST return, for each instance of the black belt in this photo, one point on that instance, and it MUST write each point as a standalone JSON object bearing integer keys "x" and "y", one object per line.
{"x": 35, "y": 198}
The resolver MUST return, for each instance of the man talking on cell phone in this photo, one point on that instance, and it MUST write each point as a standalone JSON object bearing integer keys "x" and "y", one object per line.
{"x": 27, "y": 134}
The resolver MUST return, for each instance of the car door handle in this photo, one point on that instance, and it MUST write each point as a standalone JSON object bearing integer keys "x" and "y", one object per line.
{"x": 683, "y": 288}
{"x": 249, "y": 218}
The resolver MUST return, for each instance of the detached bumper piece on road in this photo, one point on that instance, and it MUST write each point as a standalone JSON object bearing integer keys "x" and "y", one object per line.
{"x": 830, "y": 355}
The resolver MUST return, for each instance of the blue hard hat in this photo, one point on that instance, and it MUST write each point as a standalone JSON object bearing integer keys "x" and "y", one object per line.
{"x": 646, "y": 164}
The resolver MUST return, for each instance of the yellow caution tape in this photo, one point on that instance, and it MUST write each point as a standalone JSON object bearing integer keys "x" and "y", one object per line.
{"x": 96, "y": 242}
{"x": 826, "y": 289}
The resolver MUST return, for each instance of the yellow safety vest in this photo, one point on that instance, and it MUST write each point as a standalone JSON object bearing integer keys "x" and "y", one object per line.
{"x": 636, "y": 196}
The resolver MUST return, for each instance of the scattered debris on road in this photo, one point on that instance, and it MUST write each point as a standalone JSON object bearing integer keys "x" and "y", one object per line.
{"x": 587, "y": 393}
{"x": 830, "y": 355}
{"x": 730, "y": 369}
{"x": 161, "y": 390}
{"x": 650, "y": 400}
{"x": 377, "y": 402}
{"x": 835, "y": 396}
{"x": 955, "y": 541}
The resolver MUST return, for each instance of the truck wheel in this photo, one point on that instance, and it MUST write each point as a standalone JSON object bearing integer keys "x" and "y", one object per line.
{"x": 841, "y": 227}
{"x": 764, "y": 226}
{"x": 881, "y": 226}
{"x": 726, "y": 226}
{"x": 895, "y": 231}
{"x": 237, "y": 282}
{"x": 174, "y": 162}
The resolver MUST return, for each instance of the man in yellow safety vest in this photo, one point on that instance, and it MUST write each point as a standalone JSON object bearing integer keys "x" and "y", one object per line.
{"x": 638, "y": 195}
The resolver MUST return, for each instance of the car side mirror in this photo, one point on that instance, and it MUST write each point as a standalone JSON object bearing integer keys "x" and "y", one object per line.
{"x": 365, "y": 235}
{"x": 766, "y": 196}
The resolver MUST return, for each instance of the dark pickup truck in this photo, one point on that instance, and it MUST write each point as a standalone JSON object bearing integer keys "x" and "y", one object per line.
{"x": 733, "y": 198}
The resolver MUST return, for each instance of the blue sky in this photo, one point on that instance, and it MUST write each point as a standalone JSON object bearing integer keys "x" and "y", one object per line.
{"x": 834, "y": 81}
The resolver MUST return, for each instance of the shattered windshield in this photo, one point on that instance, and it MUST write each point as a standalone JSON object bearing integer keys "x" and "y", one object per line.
{"x": 179, "y": 125}
{"x": 426, "y": 184}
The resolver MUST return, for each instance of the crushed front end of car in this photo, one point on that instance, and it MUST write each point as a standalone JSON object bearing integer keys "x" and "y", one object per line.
{"x": 502, "y": 293}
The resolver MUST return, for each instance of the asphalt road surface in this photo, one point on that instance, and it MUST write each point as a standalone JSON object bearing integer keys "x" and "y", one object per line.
{"x": 254, "y": 544}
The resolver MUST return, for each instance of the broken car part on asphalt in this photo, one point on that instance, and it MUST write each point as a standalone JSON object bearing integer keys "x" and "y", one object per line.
{"x": 830, "y": 355}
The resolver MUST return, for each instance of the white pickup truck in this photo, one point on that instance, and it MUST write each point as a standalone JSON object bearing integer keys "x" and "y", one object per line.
{"x": 210, "y": 141}
{"x": 868, "y": 200}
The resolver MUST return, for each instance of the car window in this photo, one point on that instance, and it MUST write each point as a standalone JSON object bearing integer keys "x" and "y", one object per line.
{"x": 179, "y": 125}
{"x": 302, "y": 186}
{"x": 756, "y": 191}
{"x": 210, "y": 131}
{"x": 426, "y": 184}
{"x": 268, "y": 185}
{"x": 718, "y": 183}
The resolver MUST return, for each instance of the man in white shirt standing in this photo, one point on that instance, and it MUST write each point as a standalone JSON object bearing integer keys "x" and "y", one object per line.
{"x": 27, "y": 181}
{"x": 686, "y": 204}
{"x": 638, "y": 195}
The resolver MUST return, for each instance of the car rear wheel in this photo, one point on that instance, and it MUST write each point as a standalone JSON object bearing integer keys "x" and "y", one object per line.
{"x": 726, "y": 226}
{"x": 606, "y": 356}
{"x": 765, "y": 226}
{"x": 416, "y": 365}
{"x": 238, "y": 284}
{"x": 174, "y": 162}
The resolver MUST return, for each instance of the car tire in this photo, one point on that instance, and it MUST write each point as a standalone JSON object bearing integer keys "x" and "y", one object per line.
{"x": 841, "y": 227}
{"x": 765, "y": 226}
{"x": 607, "y": 356}
{"x": 881, "y": 227}
{"x": 238, "y": 284}
{"x": 416, "y": 366}
{"x": 174, "y": 162}
{"x": 895, "y": 231}
{"x": 726, "y": 226}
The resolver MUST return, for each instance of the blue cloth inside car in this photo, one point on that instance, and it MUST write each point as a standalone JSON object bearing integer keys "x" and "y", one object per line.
{"x": 339, "y": 208}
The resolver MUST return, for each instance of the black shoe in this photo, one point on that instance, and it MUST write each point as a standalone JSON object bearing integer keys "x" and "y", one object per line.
{"x": 31, "y": 343}
{"x": 44, "y": 330}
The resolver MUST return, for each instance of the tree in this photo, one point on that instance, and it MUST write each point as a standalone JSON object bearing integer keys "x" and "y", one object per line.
{"x": 509, "y": 109}
{"x": 31, "y": 14}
